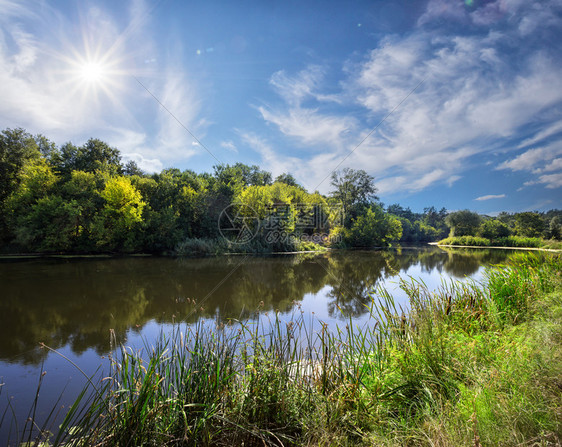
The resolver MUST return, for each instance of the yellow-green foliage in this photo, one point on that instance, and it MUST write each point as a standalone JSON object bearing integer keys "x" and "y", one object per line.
{"x": 123, "y": 200}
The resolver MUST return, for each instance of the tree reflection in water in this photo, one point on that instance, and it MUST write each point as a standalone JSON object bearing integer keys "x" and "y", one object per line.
{"x": 77, "y": 302}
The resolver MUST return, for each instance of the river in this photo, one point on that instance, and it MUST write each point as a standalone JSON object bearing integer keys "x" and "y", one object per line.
{"x": 73, "y": 304}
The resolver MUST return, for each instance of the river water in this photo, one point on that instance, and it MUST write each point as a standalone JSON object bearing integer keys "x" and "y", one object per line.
{"x": 73, "y": 304}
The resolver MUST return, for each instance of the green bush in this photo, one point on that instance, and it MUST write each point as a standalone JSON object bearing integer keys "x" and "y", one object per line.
{"x": 199, "y": 247}
{"x": 472, "y": 241}
{"x": 519, "y": 241}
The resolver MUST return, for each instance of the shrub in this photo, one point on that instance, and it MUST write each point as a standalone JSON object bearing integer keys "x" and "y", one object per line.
{"x": 471, "y": 241}
{"x": 198, "y": 247}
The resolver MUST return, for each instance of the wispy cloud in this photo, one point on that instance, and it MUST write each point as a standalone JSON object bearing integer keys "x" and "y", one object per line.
{"x": 531, "y": 158}
{"x": 229, "y": 146}
{"x": 543, "y": 134}
{"x": 311, "y": 127}
{"x": 540, "y": 160}
{"x": 551, "y": 181}
{"x": 490, "y": 197}
{"x": 481, "y": 90}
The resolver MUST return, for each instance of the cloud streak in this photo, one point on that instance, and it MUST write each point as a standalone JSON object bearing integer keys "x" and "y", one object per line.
{"x": 490, "y": 197}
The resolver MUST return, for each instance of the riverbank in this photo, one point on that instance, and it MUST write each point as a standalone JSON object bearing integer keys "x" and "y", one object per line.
{"x": 510, "y": 242}
{"x": 465, "y": 366}
{"x": 550, "y": 250}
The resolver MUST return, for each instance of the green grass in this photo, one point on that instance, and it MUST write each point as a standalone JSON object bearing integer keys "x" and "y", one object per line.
{"x": 510, "y": 241}
{"x": 466, "y": 365}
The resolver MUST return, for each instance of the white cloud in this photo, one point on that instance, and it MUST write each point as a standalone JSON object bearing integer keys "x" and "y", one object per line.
{"x": 443, "y": 9}
{"x": 229, "y": 146}
{"x": 551, "y": 181}
{"x": 309, "y": 126}
{"x": 147, "y": 165}
{"x": 550, "y": 130}
{"x": 306, "y": 124}
{"x": 554, "y": 165}
{"x": 476, "y": 96}
{"x": 294, "y": 90}
{"x": 490, "y": 197}
{"x": 539, "y": 161}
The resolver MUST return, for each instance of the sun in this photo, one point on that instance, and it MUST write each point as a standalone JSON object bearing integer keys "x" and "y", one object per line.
{"x": 93, "y": 72}
{"x": 94, "y": 76}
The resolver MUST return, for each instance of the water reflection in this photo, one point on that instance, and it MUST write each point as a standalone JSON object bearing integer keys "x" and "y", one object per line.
{"x": 77, "y": 302}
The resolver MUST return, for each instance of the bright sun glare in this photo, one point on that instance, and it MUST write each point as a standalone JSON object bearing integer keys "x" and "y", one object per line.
{"x": 92, "y": 72}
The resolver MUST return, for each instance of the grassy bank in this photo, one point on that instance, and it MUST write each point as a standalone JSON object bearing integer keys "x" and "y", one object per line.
{"x": 466, "y": 365}
{"x": 510, "y": 241}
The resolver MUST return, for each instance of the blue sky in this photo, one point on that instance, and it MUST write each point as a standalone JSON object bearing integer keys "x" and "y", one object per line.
{"x": 446, "y": 103}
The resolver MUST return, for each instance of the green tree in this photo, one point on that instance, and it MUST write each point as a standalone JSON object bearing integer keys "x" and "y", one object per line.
{"x": 493, "y": 229}
{"x": 288, "y": 179}
{"x": 353, "y": 189}
{"x": 374, "y": 228}
{"x": 555, "y": 228}
{"x": 121, "y": 214}
{"x": 132, "y": 168}
{"x": 17, "y": 147}
{"x": 436, "y": 219}
{"x": 36, "y": 180}
{"x": 463, "y": 223}
{"x": 94, "y": 155}
{"x": 49, "y": 225}
{"x": 400, "y": 211}
{"x": 529, "y": 224}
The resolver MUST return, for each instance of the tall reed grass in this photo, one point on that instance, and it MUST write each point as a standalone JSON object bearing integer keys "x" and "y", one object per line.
{"x": 467, "y": 364}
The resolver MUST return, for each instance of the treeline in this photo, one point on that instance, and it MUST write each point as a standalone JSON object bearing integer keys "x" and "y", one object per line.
{"x": 515, "y": 227}
{"x": 84, "y": 199}
{"x": 526, "y": 229}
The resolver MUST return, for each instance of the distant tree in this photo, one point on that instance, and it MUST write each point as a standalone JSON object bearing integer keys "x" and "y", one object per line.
{"x": 463, "y": 223}
{"x": 352, "y": 188}
{"x": 400, "y": 211}
{"x": 47, "y": 148}
{"x": 374, "y": 228}
{"x": 132, "y": 168}
{"x": 555, "y": 228}
{"x": 93, "y": 156}
{"x": 529, "y": 224}
{"x": 493, "y": 229}
{"x": 242, "y": 175}
{"x": 288, "y": 179}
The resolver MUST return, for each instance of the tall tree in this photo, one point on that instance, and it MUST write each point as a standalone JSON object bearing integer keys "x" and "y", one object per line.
{"x": 352, "y": 188}
{"x": 463, "y": 223}
{"x": 288, "y": 179}
{"x": 529, "y": 224}
{"x": 93, "y": 156}
{"x": 16, "y": 148}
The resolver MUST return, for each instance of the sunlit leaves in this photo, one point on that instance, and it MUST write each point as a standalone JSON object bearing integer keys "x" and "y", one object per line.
{"x": 123, "y": 202}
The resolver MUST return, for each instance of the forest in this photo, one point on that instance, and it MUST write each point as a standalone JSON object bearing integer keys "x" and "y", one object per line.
{"x": 84, "y": 199}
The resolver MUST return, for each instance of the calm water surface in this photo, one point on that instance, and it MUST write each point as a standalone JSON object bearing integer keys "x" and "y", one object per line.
{"x": 72, "y": 305}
